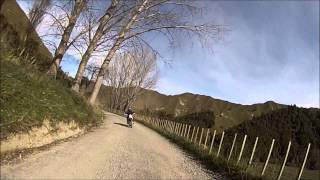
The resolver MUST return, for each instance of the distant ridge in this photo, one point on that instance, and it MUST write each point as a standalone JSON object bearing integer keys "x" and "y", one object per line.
{"x": 227, "y": 114}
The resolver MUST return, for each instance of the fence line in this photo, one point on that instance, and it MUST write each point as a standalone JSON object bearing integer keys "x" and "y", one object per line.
{"x": 242, "y": 147}
{"x": 304, "y": 162}
{"x": 184, "y": 131}
{"x": 233, "y": 142}
{"x": 221, "y": 141}
{"x": 205, "y": 142}
{"x": 212, "y": 141}
{"x": 253, "y": 150}
{"x": 269, "y": 154}
{"x": 284, "y": 161}
{"x": 201, "y": 136}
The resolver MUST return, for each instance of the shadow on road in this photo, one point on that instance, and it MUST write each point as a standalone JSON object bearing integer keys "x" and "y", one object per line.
{"x": 121, "y": 124}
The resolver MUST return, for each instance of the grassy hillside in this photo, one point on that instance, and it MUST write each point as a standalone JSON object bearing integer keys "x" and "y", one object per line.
{"x": 18, "y": 36}
{"x": 226, "y": 114}
{"x": 27, "y": 95}
{"x": 27, "y": 98}
{"x": 300, "y": 125}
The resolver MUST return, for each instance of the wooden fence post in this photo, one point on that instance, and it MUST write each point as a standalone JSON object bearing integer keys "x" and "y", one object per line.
{"x": 212, "y": 141}
{"x": 175, "y": 128}
{"x": 182, "y": 129}
{"x": 284, "y": 161}
{"x": 188, "y": 132}
{"x": 201, "y": 136}
{"x": 166, "y": 124}
{"x": 269, "y": 154}
{"x": 304, "y": 162}
{"x": 185, "y": 130}
{"x": 220, "y": 144}
{"x": 205, "y": 141}
{"x": 233, "y": 142}
{"x": 195, "y": 138}
{"x": 253, "y": 150}
{"x": 193, "y": 130}
{"x": 242, "y": 147}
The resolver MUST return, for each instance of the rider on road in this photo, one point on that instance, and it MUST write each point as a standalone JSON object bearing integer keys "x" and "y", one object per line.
{"x": 128, "y": 113}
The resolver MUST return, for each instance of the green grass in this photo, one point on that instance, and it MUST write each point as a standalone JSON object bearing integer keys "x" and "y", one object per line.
{"x": 27, "y": 98}
{"x": 209, "y": 161}
{"x": 17, "y": 35}
{"x": 289, "y": 172}
{"x": 242, "y": 171}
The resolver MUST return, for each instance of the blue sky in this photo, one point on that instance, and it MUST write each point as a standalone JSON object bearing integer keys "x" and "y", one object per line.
{"x": 271, "y": 53}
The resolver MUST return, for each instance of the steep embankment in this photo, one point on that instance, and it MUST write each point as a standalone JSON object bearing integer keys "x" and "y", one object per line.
{"x": 18, "y": 36}
{"x": 227, "y": 114}
{"x": 35, "y": 110}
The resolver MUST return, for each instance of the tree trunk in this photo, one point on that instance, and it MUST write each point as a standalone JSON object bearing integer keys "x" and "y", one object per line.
{"x": 98, "y": 34}
{"x": 104, "y": 67}
{"x": 111, "y": 53}
{"x": 63, "y": 45}
{"x": 1, "y": 2}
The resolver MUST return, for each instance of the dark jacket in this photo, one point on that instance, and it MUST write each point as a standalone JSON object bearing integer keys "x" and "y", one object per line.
{"x": 129, "y": 111}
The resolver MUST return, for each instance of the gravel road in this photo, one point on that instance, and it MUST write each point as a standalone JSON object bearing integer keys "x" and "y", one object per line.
{"x": 112, "y": 151}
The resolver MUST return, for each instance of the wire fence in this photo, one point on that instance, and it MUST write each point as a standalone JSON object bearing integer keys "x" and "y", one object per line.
{"x": 239, "y": 150}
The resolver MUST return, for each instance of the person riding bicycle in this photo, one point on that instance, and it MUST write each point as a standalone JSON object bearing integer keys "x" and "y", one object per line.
{"x": 129, "y": 113}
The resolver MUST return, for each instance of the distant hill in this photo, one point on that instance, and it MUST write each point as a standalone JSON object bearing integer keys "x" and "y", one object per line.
{"x": 227, "y": 114}
{"x": 300, "y": 125}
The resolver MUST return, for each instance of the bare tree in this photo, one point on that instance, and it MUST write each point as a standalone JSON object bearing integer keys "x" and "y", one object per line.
{"x": 91, "y": 72}
{"x": 38, "y": 10}
{"x": 101, "y": 30}
{"x": 128, "y": 74}
{"x": 114, "y": 48}
{"x": 168, "y": 17}
{"x": 67, "y": 30}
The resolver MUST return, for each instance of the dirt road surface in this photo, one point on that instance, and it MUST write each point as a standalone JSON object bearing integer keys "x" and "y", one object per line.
{"x": 112, "y": 151}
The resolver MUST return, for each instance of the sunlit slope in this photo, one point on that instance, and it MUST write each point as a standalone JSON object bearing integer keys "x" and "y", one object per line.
{"x": 227, "y": 114}
{"x": 27, "y": 96}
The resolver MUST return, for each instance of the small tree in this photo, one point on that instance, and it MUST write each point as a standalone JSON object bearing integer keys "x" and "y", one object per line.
{"x": 130, "y": 73}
